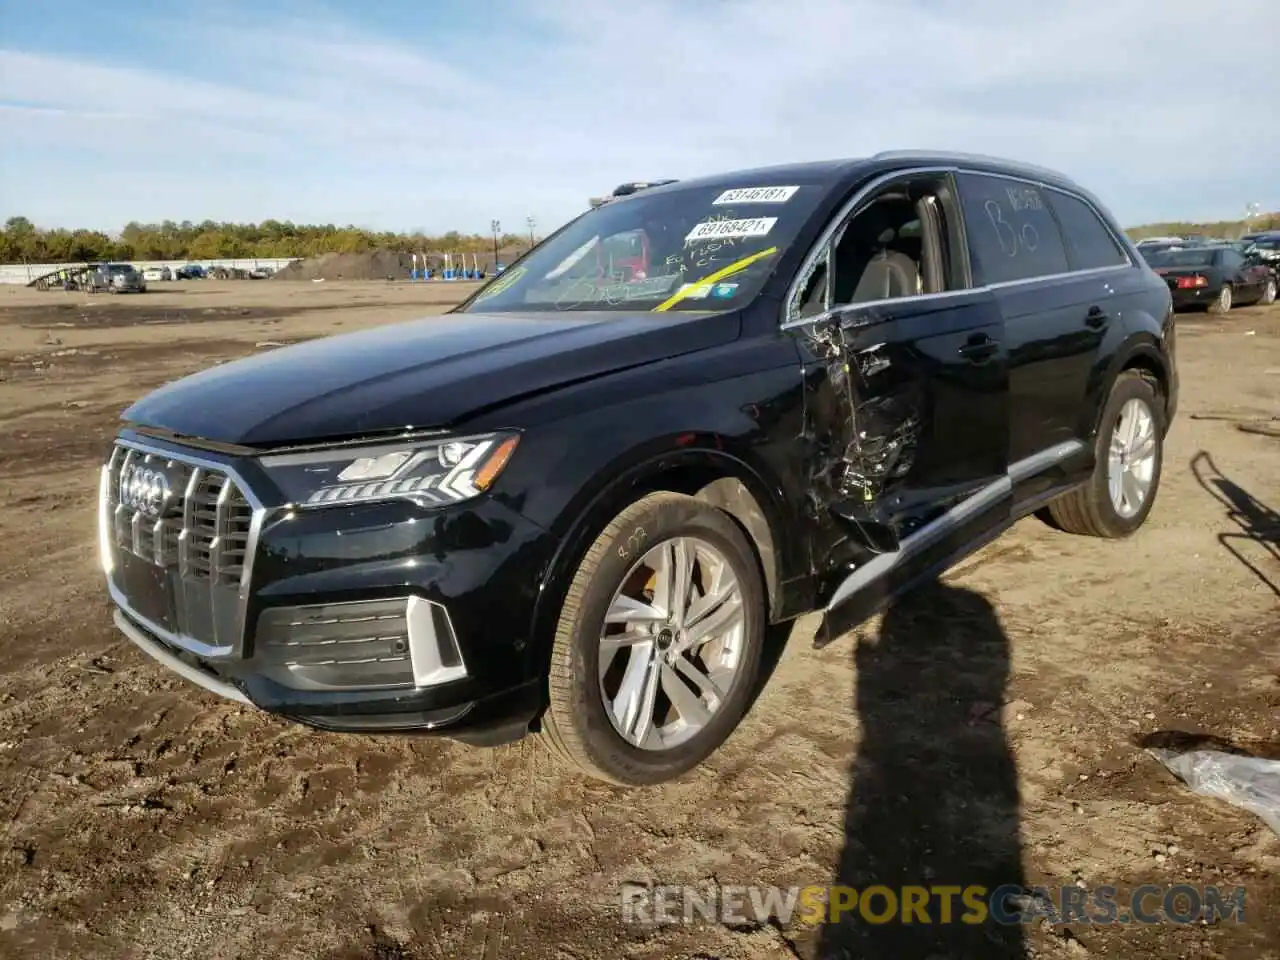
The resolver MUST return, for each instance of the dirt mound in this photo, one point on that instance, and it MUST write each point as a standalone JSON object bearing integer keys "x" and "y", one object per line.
{"x": 375, "y": 265}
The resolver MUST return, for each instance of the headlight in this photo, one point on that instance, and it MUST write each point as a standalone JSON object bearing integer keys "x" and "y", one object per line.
{"x": 432, "y": 472}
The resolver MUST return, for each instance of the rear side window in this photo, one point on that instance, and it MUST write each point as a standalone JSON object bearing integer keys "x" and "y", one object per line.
{"x": 1090, "y": 242}
{"x": 1012, "y": 233}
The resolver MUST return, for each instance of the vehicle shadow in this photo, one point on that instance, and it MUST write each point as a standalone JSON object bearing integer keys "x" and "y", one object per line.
{"x": 1259, "y": 524}
{"x": 776, "y": 637}
{"x": 934, "y": 795}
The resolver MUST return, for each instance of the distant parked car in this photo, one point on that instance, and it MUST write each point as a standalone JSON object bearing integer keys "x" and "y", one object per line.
{"x": 116, "y": 278}
{"x": 261, "y": 273}
{"x": 191, "y": 271}
{"x": 157, "y": 273}
{"x": 1265, "y": 245}
{"x": 1215, "y": 278}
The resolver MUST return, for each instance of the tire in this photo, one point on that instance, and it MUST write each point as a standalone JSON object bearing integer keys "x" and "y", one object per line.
{"x": 1268, "y": 293}
{"x": 577, "y": 723}
{"x": 1222, "y": 302}
{"x": 1090, "y": 510}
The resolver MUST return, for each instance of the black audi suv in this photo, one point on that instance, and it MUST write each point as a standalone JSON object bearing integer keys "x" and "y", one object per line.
{"x": 573, "y": 504}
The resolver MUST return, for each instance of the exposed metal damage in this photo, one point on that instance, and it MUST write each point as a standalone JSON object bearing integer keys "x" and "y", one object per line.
{"x": 865, "y": 420}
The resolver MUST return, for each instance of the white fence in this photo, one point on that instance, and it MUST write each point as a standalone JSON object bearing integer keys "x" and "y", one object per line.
{"x": 22, "y": 273}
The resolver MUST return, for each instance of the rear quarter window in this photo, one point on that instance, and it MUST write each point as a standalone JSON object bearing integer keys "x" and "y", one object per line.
{"x": 1011, "y": 230}
{"x": 1089, "y": 242}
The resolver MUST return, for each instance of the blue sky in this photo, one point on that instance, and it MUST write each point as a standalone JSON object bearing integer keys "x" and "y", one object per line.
{"x": 422, "y": 115}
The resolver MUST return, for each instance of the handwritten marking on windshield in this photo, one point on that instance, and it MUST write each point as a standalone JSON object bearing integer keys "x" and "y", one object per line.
{"x": 720, "y": 274}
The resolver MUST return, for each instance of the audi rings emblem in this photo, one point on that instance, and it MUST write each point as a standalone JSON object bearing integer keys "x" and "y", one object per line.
{"x": 144, "y": 490}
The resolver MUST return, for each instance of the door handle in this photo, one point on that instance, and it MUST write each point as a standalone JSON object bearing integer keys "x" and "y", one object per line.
{"x": 1096, "y": 318}
{"x": 980, "y": 347}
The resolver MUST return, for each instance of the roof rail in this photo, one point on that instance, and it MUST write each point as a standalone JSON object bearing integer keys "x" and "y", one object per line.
{"x": 973, "y": 157}
{"x": 631, "y": 187}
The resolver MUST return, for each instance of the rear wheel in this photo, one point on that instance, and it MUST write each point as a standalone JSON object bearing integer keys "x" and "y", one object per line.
{"x": 1269, "y": 293}
{"x": 1222, "y": 302}
{"x": 1129, "y": 450}
{"x": 658, "y": 644}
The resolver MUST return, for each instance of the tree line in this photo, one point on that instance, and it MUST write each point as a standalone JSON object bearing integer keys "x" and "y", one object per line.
{"x": 21, "y": 241}
{"x": 1218, "y": 228}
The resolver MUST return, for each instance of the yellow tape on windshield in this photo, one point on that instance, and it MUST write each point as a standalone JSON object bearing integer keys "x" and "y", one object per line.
{"x": 716, "y": 277}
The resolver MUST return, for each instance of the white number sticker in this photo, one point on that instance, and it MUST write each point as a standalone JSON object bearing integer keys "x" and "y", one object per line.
{"x": 731, "y": 229}
{"x": 755, "y": 195}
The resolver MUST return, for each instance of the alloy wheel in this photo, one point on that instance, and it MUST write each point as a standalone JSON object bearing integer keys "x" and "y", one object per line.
{"x": 1131, "y": 461}
{"x": 672, "y": 643}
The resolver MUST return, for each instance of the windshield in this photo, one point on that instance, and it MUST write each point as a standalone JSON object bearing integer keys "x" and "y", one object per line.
{"x": 120, "y": 268}
{"x": 1267, "y": 243}
{"x": 1182, "y": 258}
{"x": 696, "y": 248}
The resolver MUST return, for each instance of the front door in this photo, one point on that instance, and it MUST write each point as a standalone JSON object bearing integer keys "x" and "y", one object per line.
{"x": 906, "y": 396}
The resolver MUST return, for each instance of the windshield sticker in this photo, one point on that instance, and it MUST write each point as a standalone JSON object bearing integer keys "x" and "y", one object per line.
{"x": 502, "y": 283}
{"x": 727, "y": 229}
{"x": 723, "y": 291}
{"x": 695, "y": 291}
{"x": 755, "y": 195}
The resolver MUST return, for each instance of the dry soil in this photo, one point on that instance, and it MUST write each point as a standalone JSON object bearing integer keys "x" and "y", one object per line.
{"x": 987, "y": 730}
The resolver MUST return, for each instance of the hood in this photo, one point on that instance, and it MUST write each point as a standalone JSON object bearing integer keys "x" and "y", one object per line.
{"x": 425, "y": 373}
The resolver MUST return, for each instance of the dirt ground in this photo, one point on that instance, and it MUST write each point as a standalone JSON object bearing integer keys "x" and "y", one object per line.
{"x": 987, "y": 730}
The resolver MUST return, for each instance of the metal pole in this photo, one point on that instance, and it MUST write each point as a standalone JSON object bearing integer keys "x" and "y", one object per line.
{"x": 496, "y": 227}
{"x": 529, "y": 222}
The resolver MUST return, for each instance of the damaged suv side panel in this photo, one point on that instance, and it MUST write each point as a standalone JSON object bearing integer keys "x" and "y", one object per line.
{"x": 906, "y": 396}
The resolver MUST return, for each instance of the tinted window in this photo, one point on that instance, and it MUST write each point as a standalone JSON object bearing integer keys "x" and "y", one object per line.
{"x": 1091, "y": 243}
{"x": 1181, "y": 258}
{"x": 1231, "y": 258}
{"x": 1012, "y": 233}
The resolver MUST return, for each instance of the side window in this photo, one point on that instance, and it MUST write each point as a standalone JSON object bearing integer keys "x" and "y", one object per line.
{"x": 898, "y": 243}
{"x": 1011, "y": 230}
{"x": 1232, "y": 260}
{"x": 1092, "y": 245}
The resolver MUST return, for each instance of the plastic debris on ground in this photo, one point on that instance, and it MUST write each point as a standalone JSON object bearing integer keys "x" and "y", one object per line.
{"x": 1251, "y": 783}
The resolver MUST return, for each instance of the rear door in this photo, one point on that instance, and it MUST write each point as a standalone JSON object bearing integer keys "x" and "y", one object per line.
{"x": 906, "y": 397}
{"x": 1060, "y": 290}
{"x": 1247, "y": 278}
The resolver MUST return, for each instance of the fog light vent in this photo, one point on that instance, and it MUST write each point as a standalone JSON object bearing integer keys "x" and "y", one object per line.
{"x": 432, "y": 644}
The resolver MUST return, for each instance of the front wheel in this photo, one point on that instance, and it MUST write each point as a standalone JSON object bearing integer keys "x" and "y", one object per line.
{"x": 658, "y": 644}
{"x": 1129, "y": 450}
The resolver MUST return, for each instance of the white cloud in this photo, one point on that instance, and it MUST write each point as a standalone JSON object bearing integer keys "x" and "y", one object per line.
{"x": 326, "y": 122}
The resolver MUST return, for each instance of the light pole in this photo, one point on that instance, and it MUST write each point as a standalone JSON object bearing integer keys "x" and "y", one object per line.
{"x": 529, "y": 223}
{"x": 496, "y": 227}
{"x": 1251, "y": 210}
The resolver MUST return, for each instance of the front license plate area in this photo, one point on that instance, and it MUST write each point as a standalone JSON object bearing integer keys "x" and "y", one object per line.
{"x": 146, "y": 587}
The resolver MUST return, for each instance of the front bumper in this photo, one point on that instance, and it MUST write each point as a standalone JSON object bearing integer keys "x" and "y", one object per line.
{"x": 385, "y": 616}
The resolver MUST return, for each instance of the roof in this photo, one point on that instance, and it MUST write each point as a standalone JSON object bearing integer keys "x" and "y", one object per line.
{"x": 832, "y": 171}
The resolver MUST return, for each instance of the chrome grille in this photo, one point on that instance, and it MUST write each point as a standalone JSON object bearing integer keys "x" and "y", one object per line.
{"x": 179, "y": 533}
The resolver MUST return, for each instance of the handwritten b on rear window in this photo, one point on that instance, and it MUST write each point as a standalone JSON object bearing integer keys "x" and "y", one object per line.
{"x": 755, "y": 195}
{"x": 725, "y": 229}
